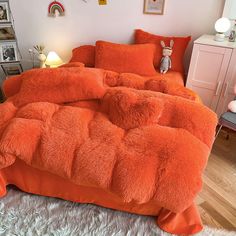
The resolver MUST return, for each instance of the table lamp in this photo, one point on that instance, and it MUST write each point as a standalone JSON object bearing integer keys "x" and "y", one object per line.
{"x": 222, "y": 25}
{"x": 53, "y": 60}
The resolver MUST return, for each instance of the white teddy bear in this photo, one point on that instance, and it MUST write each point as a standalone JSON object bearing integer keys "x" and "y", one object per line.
{"x": 232, "y": 105}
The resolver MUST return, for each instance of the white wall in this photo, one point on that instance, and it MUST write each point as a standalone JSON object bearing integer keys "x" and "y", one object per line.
{"x": 230, "y": 9}
{"x": 84, "y": 23}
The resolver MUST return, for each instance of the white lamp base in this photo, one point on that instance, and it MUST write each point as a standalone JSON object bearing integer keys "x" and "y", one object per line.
{"x": 220, "y": 37}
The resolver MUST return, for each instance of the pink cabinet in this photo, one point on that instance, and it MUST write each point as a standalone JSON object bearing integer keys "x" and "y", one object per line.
{"x": 227, "y": 93}
{"x": 212, "y": 72}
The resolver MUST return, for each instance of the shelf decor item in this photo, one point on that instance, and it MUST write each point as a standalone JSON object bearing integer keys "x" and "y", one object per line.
{"x": 12, "y": 69}
{"x": 55, "y": 7}
{"x": 155, "y": 7}
{"x": 4, "y": 12}
{"x": 7, "y": 33}
{"x": 9, "y": 52}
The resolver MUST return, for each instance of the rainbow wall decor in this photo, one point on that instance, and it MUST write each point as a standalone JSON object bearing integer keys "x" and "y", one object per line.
{"x": 54, "y": 7}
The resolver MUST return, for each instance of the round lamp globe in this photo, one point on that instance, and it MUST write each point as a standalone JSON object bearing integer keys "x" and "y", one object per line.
{"x": 222, "y": 25}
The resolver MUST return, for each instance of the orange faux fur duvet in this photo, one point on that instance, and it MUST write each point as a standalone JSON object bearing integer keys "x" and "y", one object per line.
{"x": 110, "y": 131}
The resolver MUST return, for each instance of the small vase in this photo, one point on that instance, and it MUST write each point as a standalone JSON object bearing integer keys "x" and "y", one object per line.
{"x": 42, "y": 59}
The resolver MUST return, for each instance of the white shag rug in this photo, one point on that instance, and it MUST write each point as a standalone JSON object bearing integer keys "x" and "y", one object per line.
{"x": 24, "y": 214}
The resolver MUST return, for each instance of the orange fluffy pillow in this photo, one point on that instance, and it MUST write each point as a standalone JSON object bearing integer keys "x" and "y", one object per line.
{"x": 123, "y": 58}
{"x": 84, "y": 54}
{"x": 180, "y": 45}
{"x": 60, "y": 85}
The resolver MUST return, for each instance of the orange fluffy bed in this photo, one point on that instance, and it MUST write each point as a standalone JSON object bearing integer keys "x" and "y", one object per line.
{"x": 122, "y": 141}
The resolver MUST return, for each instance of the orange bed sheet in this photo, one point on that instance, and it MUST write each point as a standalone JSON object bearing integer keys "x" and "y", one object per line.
{"x": 39, "y": 182}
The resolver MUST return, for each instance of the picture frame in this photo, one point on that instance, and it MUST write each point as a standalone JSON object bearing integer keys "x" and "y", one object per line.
{"x": 4, "y": 12}
{"x": 12, "y": 69}
{"x": 8, "y": 52}
{"x": 155, "y": 7}
{"x": 7, "y": 33}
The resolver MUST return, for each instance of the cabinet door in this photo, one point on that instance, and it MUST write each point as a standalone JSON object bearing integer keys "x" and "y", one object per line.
{"x": 207, "y": 72}
{"x": 227, "y": 93}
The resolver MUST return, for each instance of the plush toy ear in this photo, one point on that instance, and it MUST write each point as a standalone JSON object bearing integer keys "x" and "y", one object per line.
{"x": 163, "y": 44}
{"x": 171, "y": 43}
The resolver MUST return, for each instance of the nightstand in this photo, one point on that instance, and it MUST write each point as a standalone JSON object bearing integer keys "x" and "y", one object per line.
{"x": 212, "y": 72}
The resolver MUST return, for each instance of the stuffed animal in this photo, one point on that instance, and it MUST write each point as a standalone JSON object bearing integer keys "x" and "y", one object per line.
{"x": 232, "y": 105}
{"x": 166, "y": 60}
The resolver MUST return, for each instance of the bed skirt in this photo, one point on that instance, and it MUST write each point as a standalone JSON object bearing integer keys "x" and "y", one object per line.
{"x": 39, "y": 182}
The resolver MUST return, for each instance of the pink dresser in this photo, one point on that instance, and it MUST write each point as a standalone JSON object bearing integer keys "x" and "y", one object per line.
{"x": 212, "y": 72}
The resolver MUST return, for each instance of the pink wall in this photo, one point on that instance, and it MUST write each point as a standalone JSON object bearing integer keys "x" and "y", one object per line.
{"x": 86, "y": 22}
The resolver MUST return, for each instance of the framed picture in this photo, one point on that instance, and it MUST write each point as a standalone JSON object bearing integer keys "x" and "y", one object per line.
{"x": 7, "y": 33}
{"x": 4, "y": 12}
{"x": 12, "y": 69}
{"x": 154, "y": 7}
{"x": 8, "y": 52}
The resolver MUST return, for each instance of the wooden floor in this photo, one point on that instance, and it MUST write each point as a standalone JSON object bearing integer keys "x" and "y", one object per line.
{"x": 217, "y": 201}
